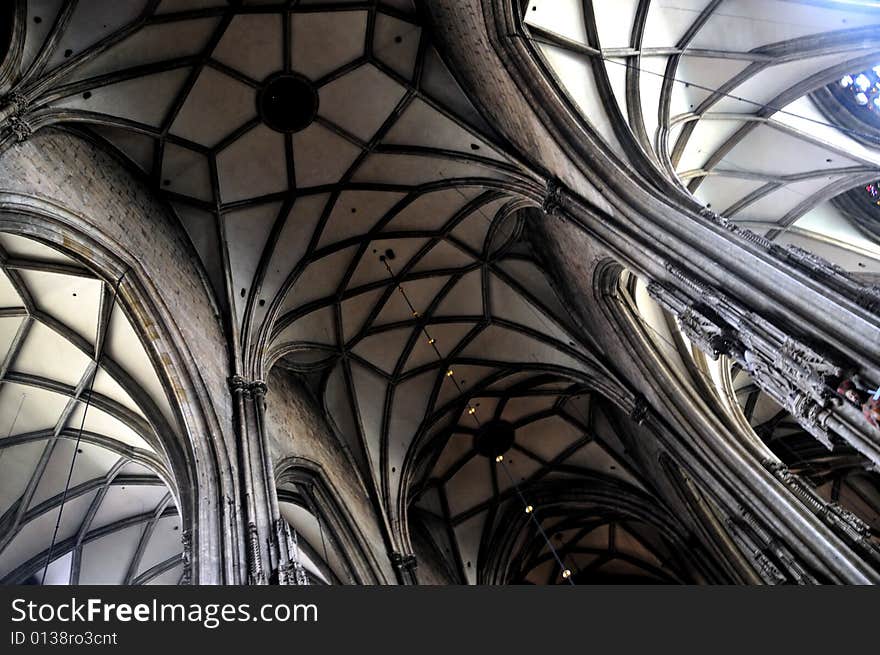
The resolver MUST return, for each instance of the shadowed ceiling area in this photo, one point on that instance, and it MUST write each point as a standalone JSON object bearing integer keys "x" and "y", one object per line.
{"x": 570, "y": 456}
{"x": 83, "y": 478}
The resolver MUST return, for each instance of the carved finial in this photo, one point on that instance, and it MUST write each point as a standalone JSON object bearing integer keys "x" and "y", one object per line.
{"x": 255, "y": 558}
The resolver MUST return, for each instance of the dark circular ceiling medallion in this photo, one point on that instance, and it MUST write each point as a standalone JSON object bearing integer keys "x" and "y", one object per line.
{"x": 287, "y": 102}
{"x": 494, "y": 438}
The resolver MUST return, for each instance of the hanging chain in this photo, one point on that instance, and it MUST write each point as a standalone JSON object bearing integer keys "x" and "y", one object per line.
{"x": 472, "y": 412}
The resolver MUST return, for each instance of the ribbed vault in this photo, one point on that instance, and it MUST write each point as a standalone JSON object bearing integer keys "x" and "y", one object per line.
{"x": 719, "y": 96}
{"x": 84, "y": 420}
{"x": 361, "y": 226}
{"x": 566, "y": 438}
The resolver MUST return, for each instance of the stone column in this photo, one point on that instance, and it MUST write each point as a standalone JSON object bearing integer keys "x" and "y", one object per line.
{"x": 272, "y": 549}
{"x": 793, "y": 373}
{"x": 248, "y": 483}
{"x": 765, "y": 516}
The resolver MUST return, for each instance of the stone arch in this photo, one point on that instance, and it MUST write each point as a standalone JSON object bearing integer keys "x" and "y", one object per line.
{"x": 110, "y": 223}
{"x": 13, "y": 16}
{"x": 601, "y": 501}
{"x": 305, "y": 483}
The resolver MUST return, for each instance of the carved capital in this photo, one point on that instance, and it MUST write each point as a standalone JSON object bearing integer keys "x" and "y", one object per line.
{"x": 404, "y": 562}
{"x": 552, "y": 198}
{"x": 640, "y": 409}
{"x": 238, "y": 384}
{"x": 14, "y": 115}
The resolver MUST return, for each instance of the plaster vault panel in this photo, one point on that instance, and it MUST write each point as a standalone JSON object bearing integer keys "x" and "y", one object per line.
{"x": 84, "y": 495}
{"x": 722, "y": 100}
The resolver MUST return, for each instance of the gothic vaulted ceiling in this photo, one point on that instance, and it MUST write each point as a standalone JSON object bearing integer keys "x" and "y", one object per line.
{"x": 358, "y": 222}
{"x": 722, "y": 97}
{"x": 84, "y": 481}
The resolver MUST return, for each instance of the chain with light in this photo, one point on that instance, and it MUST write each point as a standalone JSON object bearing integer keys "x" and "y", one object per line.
{"x": 472, "y": 412}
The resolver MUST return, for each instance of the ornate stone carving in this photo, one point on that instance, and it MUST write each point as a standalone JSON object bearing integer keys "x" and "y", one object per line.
{"x": 255, "y": 559}
{"x": 796, "y": 484}
{"x": 13, "y": 115}
{"x": 784, "y": 389}
{"x": 774, "y": 551}
{"x": 820, "y": 269}
{"x": 718, "y": 219}
{"x": 406, "y": 565}
{"x": 553, "y": 198}
{"x": 698, "y": 322}
{"x": 745, "y": 233}
{"x": 238, "y": 384}
{"x": 21, "y": 129}
{"x": 707, "y": 334}
{"x": 640, "y": 409}
{"x": 404, "y": 562}
{"x": 743, "y": 534}
{"x": 293, "y": 572}
{"x": 810, "y": 369}
{"x": 868, "y": 297}
{"x": 846, "y": 524}
{"x": 850, "y": 522}
{"x": 793, "y": 373}
{"x": 769, "y": 571}
{"x": 813, "y": 264}
{"x": 756, "y": 239}
{"x": 186, "y": 557}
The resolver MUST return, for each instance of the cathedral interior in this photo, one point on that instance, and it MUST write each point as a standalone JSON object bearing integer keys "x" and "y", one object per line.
{"x": 439, "y": 292}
